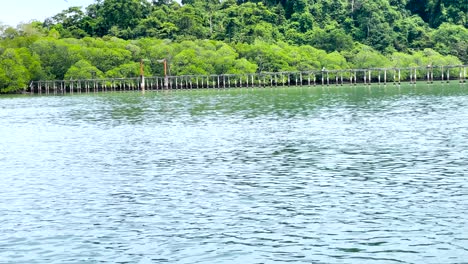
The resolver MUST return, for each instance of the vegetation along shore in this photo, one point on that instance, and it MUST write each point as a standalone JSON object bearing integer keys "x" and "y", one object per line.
{"x": 108, "y": 39}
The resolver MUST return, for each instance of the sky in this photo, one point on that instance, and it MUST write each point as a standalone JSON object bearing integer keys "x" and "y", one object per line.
{"x": 13, "y": 12}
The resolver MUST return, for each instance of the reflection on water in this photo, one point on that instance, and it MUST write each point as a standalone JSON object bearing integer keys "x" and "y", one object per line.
{"x": 300, "y": 175}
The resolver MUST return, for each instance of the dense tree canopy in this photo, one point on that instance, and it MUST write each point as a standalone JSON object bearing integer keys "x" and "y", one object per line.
{"x": 109, "y": 37}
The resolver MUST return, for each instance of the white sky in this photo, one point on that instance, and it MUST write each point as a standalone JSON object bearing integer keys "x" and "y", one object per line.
{"x": 13, "y": 12}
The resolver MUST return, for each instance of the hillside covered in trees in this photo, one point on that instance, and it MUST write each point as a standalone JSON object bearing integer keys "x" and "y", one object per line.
{"x": 108, "y": 38}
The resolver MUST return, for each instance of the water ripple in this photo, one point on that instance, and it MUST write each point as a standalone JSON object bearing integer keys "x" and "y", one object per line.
{"x": 286, "y": 175}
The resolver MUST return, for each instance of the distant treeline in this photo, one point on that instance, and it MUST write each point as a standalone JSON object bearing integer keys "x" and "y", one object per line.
{"x": 110, "y": 37}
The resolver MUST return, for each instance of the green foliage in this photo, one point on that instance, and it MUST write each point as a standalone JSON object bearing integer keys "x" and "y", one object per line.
{"x": 363, "y": 57}
{"x": 13, "y": 74}
{"x": 332, "y": 25}
{"x": 83, "y": 69}
{"x": 56, "y": 56}
{"x": 233, "y": 36}
{"x": 127, "y": 70}
{"x": 436, "y": 12}
{"x": 452, "y": 40}
{"x": 32, "y": 62}
{"x": 333, "y": 39}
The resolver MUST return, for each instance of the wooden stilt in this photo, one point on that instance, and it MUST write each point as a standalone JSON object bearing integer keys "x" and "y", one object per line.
{"x": 428, "y": 75}
{"x": 370, "y": 77}
{"x": 399, "y": 76}
{"x": 442, "y": 73}
{"x": 385, "y": 77}
{"x": 460, "y": 75}
{"x": 432, "y": 74}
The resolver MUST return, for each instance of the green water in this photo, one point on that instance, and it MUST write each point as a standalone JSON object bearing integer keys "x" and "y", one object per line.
{"x": 274, "y": 175}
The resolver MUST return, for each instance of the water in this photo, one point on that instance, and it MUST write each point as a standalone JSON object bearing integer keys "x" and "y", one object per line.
{"x": 296, "y": 175}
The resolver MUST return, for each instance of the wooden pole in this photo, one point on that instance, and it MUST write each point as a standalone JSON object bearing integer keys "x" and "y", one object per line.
{"x": 399, "y": 76}
{"x": 370, "y": 77}
{"x": 432, "y": 74}
{"x": 385, "y": 77}
{"x": 142, "y": 77}
{"x": 461, "y": 75}
{"x": 428, "y": 75}
{"x": 166, "y": 80}
{"x": 442, "y": 73}
{"x": 464, "y": 74}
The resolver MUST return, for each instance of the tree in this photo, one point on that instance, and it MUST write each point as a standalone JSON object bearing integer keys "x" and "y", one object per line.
{"x": 452, "y": 39}
{"x": 124, "y": 14}
{"x": 32, "y": 62}
{"x": 330, "y": 39}
{"x": 69, "y": 22}
{"x": 83, "y": 69}
{"x": 363, "y": 57}
{"x": 190, "y": 23}
{"x": 128, "y": 70}
{"x": 13, "y": 74}
{"x": 56, "y": 56}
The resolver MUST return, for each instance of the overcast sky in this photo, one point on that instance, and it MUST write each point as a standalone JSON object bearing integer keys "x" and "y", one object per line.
{"x": 13, "y": 12}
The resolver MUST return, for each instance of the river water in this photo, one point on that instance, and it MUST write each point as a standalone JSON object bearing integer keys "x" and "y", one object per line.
{"x": 282, "y": 175}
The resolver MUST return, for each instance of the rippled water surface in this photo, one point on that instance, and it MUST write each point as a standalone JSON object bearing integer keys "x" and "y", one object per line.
{"x": 297, "y": 175}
